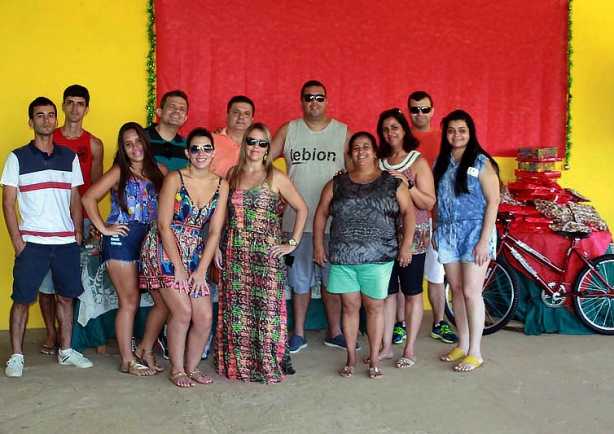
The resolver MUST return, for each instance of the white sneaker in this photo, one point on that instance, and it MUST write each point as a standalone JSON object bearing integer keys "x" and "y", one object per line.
{"x": 75, "y": 358}
{"x": 14, "y": 367}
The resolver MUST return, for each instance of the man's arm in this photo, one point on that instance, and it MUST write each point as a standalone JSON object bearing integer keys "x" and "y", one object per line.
{"x": 349, "y": 166}
{"x": 97, "y": 158}
{"x": 76, "y": 212}
{"x": 277, "y": 145}
{"x": 9, "y": 201}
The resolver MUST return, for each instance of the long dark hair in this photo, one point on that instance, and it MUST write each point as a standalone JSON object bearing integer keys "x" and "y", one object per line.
{"x": 409, "y": 141}
{"x": 472, "y": 150}
{"x": 150, "y": 170}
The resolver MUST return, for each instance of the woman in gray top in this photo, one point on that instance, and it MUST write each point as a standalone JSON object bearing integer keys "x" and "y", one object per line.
{"x": 364, "y": 204}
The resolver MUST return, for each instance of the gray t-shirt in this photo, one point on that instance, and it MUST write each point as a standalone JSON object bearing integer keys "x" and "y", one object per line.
{"x": 312, "y": 158}
{"x": 364, "y": 220}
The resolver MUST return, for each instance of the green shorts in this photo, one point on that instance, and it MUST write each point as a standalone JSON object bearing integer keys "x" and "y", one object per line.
{"x": 370, "y": 279}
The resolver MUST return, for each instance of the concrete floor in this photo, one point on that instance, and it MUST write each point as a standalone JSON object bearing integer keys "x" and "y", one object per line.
{"x": 549, "y": 383}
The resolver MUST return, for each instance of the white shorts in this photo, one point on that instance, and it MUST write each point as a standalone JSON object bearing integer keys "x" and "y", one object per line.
{"x": 433, "y": 269}
{"x": 47, "y": 285}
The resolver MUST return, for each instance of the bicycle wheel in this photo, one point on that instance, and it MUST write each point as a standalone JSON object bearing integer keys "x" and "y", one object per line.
{"x": 595, "y": 304}
{"x": 500, "y": 293}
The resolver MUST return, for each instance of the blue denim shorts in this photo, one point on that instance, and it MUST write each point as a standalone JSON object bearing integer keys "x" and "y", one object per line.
{"x": 124, "y": 249}
{"x": 456, "y": 240}
{"x": 36, "y": 260}
{"x": 304, "y": 272}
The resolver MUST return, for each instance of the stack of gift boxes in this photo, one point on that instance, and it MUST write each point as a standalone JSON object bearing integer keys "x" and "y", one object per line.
{"x": 539, "y": 203}
{"x": 537, "y": 160}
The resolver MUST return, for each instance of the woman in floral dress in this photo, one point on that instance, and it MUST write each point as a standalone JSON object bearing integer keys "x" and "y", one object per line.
{"x": 251, "y": 330}
{"x": 175, "y": 258}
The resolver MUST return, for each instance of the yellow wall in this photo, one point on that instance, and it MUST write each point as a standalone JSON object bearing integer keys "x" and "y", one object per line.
{"x": 49, "y": 46}
{"x": 592, "y": 108}
{"x": 103, "y": 45}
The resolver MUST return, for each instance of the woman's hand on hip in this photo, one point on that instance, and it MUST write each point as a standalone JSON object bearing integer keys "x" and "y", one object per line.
{"x": 281, "y": 249}
{"x": 115, "y": 230}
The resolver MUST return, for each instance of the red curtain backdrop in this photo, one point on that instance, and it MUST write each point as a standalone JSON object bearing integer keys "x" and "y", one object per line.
{"x": 505, "y": 62}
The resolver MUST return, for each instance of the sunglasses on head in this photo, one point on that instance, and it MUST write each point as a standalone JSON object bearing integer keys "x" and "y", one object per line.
{"x": 420, "y": 109}
{"x": 308, "y": 97}
{"x": 207, "y": 149}
{"x": 262, "y": 143}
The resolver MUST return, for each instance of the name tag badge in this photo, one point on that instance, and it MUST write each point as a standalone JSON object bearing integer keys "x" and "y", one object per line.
{"x": 473, "y": 171}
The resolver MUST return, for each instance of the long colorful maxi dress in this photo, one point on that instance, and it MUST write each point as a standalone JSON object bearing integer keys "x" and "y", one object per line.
{"x": 251, "y": 329}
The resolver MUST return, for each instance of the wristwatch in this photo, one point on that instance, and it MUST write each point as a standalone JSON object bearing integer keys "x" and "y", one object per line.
{"x": 292, "y": 242}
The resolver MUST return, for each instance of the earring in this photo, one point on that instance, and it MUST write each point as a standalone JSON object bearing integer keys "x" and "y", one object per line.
{"x": 265, "y": 157}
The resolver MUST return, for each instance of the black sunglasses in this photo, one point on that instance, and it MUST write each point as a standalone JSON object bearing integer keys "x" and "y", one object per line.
{"x": 423, "y": 109}
{"x": 262, "y": 143}
{"x": 207, "y": 149}
{"x": 308, "y": 97}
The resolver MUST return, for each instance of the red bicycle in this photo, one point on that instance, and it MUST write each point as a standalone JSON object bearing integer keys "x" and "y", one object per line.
{"x": 592, "y": 290}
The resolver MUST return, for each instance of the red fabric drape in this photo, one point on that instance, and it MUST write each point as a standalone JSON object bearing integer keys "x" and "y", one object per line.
{"x": 504, "y": 62}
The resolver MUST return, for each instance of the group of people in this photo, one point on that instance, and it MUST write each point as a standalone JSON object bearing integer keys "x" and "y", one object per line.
{"x": 353, "y": 212}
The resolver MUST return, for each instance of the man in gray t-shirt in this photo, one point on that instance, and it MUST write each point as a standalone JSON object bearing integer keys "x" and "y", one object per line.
{"x": 315, "y": 148}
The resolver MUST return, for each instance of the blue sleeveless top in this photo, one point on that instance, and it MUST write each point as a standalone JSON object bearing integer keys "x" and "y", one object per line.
{"x": 141, "y": 200}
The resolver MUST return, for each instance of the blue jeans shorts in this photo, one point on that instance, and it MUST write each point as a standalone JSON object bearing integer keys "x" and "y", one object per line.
{"x": 456, "y": 240}
{"x": 303, "y": 272}
{"x": 124, "y": 249}
{"x": 36, "y": 260}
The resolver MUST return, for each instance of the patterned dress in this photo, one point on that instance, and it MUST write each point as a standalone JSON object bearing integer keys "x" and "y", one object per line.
{"x": 188, "y": 219}
{"x": 251, "y": 329}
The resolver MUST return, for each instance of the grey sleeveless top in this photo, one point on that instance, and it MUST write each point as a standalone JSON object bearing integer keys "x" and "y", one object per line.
{"x": 363, "y": 228}
{"x": 312, "y": 159}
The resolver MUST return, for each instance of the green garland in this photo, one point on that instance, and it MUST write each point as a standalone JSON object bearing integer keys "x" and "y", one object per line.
{"x": 151, "y": 75}
{"x": 567, "y": 166}
{"x": 151, "y": 63}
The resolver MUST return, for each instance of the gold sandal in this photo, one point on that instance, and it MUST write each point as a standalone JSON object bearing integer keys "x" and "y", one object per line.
{"x": 375, "y": 372}
{"x": 204, "y": 378}
{"x": 135, "y": 368}
{"x": 148, "y": 359}
{"x": 178, "y": 375}
{"x": 347, "y": 371}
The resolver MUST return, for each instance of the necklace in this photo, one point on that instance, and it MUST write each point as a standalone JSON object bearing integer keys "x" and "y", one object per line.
{"x": 403, "y": 165}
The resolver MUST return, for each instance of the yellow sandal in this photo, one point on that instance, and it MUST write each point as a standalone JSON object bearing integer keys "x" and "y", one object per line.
{"x": 453, "y": 356}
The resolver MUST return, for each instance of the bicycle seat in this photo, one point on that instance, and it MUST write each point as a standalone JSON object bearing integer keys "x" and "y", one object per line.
{"x": 506, "y": 216}
{"x": 577, "y": 235}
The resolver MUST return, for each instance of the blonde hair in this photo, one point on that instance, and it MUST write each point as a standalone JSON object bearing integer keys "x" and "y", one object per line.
{"x": 235, "y": 178}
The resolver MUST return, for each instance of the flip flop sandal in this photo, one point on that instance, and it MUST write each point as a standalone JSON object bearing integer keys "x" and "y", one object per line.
{"x": 347, "y": 371}
{"x": 404, "y": 362}
{"x": 46, "y": 350}
{"x": 199, "y": 377}
{"x": 148, "y": 359}
{"x": 472, "y": 363}
{"x": 176, "y": 376}
{"x": 375, "y": 372}
{"x": 135, "y": 368}
{"x": 454, "y": 355}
